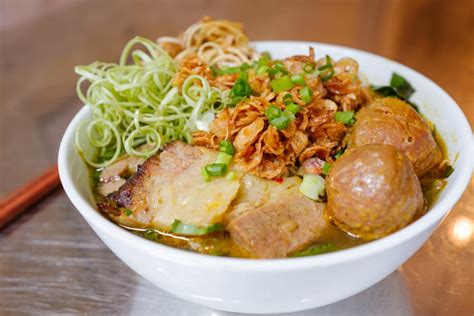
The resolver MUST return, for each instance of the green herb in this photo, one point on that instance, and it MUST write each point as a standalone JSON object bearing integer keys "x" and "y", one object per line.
{"x": 128, "y": 212}
{"x": 293, "y": 108}
{"x": 227, "y": 147}
{"x": 308, "y": 67}
{"x": 346, "y": 117}
{"x": 306, "y": 95}
{"x": 449, "y": 170}
{"x": 281, "y": 84}
{"x": 205, "y": 175}
{"x": 280, "y": 122}
{"x": 272, "y": 112}
{"x": 223, "y": 158}
{"x": 241, "y": 88}
{"x": 402, "y": 86}
{"x": 298, "y": 79}
{"x": 150, "y": 234}
{"x": 181, "y": 228}
{"x": 399, "y": 87}
{"x": 287, "y": 98}
{"x": 231, "y": 176}
{"x": 214, "y": 70}
{"x": 234, "y": 70}
{"x": 326, "y": 168}
{"x": 313, "y": 186}
{"x": 262, "y": 69}
{"x": 327, "y": 70}
{"x": 316, "y": 250}
{"x": 339, "y": 153}
{"x": 216, "y": 169}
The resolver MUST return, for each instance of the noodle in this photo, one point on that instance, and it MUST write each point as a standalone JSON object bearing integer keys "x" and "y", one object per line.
{"x": 215, "y": 42}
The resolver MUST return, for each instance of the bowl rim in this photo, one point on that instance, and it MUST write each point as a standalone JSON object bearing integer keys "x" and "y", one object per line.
{"x": 164, "y": 252}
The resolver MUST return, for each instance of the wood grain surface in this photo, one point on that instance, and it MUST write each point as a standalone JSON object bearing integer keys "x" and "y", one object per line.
{"x": 52, "y": 262}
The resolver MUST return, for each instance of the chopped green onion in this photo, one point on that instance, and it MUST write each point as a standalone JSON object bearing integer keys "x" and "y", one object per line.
{"x": 327, "y": 70}
{"x": 178, "y": 227}
{"x": 262, "y": 69}
{"x": 223, "y": 158}
{"x": 346, "y": 117}
{"x": 316, "y": 250}
{"x": 293, "y": 108}
{"x": 288, "y": 114}
{"x": 339, "y": 153}
{"x": 287, "y": 98}
{"x": 326, "y": 168}
{"x": 306, "y": 94}
{"x": 263, "y": 61}
{"x": 214, "y": 70}
{"x": 272, "y": 112}
{"x": 128, "y": 212}
{"x": 231, "y": 176}
{"x": 226, "y": 146}
{"x": 280, "y": 122}
{"x": 205, "y": 175}
{"x": 298, "y": 79}
{"x": 278, "y": 66}
{"x": 308, "y": 67}
{"x": 150, "y": 234}
{"x": 312, "y": 186}
{"x": 281, "y": 84}
{"x": 449, "y": 171}
{"x": 216, "y": 169}
{"x": 241, "y": 88}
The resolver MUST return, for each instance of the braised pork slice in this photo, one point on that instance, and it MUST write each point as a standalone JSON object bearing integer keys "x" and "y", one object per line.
{"x": 265, "y": 218}
{"x": 170, "y": 186}
{"x": 274, "y": 220}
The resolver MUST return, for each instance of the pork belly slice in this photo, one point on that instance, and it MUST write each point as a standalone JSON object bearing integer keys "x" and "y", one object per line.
{"x": 170, "y": 186}
{"x": 281, "y": 222}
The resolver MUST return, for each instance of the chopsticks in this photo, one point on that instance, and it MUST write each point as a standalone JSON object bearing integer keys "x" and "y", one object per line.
{"x": 21, "y": 199}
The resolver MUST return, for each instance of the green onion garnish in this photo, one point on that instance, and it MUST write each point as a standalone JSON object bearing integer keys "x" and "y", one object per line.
{"x": 180, "y": 228}
{"x": 298, "y": 79}
{"x": 205, "y": 175}
{"x": 231, "y": 176}
{"x": 287, "y": 98}
{"x": 326, "y": 168}
{"x": 262, "y": 69}
{"x": 272, "y": 112}
{"x": 316, "y": 250}
{"x": 327, "y": 70}
{"x": 241, "y": 88}
{"x": 339, "y": 153}
{"x": 216, "y": 169}
{"x": 226, "y": 146}
{"x": 346, "y": 117}
{"x": 128, "y": 212}
{"x": 308, "y": 67}
{"x": 293, "y": 108}
{"x": 281, "y": 84}
{"x": 223, "y": 158}
{"x": 312, "y": 186}
{"x": 306, "y": 94}
{"x": 280, "y": 122}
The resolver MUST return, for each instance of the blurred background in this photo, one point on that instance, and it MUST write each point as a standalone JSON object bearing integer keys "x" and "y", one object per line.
{"x": 42, "y": 40}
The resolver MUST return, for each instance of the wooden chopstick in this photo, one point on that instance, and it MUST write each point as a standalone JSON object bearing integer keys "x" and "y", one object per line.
{"x": 21, "y": 199}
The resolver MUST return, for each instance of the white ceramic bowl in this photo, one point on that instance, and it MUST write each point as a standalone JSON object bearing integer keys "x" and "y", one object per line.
{"x": 284, "y": 285}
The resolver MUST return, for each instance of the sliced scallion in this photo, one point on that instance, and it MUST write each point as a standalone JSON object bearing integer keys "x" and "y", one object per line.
{"x": 223, "y": 158}
{"x": 298, "y": 79}
{"x": 205, "y": 175}
{"x": 306, "y": 94}
{"x": 346, "y": 117}
{"x": 226, "y": 146}
{"x": 272, "y": 112}
{"x": 281, "y": 84}
{"x": 178, "y": 227}
{"x": 280, "y": 122}
{"x": 216, "y": 169}
{"x": 313, "y": 186}
{"x": 325, "y": 169}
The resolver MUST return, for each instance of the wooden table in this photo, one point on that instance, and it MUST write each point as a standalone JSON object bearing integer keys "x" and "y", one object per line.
{"x": 51, "y": 261}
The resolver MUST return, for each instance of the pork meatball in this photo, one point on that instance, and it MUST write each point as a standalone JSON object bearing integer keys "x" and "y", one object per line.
{"x": 394, "y": 122}
{"x": 372, "y": 191}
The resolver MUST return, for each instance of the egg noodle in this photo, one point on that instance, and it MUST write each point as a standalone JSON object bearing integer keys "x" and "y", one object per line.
{"x": 216, "y": 42}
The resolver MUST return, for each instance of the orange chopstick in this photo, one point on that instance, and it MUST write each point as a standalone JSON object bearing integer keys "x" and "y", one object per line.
{"x": 21, "y": 199}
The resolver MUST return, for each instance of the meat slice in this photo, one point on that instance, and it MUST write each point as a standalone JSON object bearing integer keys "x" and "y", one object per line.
{"x": 285, "y": 223}
{"x": 169, "y": 186}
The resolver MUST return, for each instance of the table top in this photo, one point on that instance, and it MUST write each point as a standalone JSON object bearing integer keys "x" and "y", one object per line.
{"x": 51, "y": 261}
